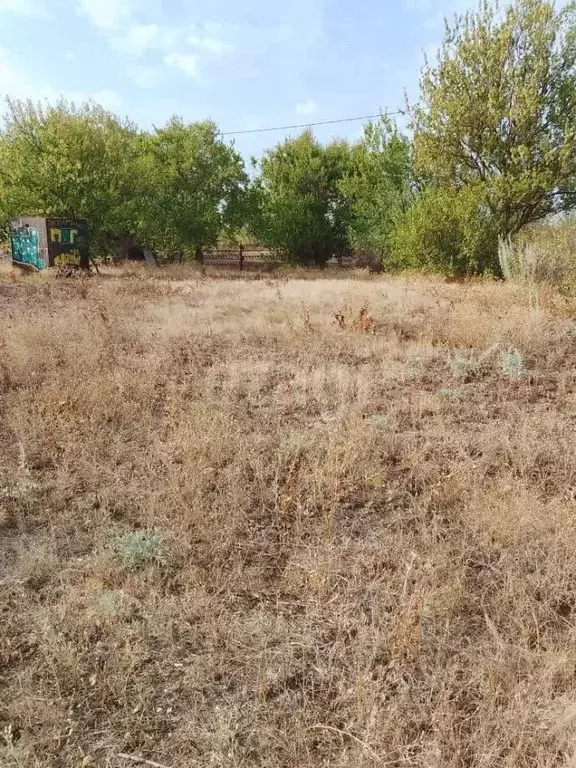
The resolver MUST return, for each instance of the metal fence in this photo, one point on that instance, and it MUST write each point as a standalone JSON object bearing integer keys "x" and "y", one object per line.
{"x": 243, "y": 257}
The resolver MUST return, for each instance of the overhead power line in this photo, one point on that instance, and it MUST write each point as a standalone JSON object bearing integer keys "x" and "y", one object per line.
{"x": 311, "y": 125}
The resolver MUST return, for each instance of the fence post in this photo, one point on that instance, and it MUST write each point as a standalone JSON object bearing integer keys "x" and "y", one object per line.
{"x": 241, "y": 257}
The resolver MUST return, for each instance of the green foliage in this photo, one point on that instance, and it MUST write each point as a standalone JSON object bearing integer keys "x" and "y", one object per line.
{"x": 192, "y": 186}
{"x": 464, "y": 367}
{"x": 512, "y": 363}
{"x": 67, "y": 161}
{"x": 494, "y": 150}
{"x": 302, "y": 212}
{"x": 175, "y": 189}
{"x": 497, "y": 110}
{"x": 137, "y": 548}
{"x": 448, "y": 231}
{"x": 380, "y": 420}
{"x": 378, "y": 185}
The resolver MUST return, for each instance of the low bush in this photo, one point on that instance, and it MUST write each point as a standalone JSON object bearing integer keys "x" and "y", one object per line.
{"x": 446, "y": 231}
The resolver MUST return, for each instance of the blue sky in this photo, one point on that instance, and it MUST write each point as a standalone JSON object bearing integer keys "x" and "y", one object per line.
{"x": 244, "y": 63}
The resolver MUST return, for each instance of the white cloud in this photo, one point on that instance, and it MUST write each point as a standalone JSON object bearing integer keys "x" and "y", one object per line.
{"x": 212, "y": 44}
{"x": 70, "y": 56}
{"x": 184, "y": 61}
{"x": 107, "y": 14}
{"x": 106, "y": 97}
{"x": 138, "y": 38}
{"x": 15, "y": 84}
{"x": 270, "y": 40}
{"x": 23, "y": 7}
{"x": 144, "y": 76}
{"x": 122, "y": 22}
{"x": 308, "y": 107}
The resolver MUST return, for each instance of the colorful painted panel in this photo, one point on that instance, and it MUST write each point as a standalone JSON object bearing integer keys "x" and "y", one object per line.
{"x": 67, "y": 242}
{"x": 25, "y": 246}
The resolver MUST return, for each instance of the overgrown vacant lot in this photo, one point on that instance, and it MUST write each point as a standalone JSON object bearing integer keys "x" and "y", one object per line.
{"x": 238, "y": 531}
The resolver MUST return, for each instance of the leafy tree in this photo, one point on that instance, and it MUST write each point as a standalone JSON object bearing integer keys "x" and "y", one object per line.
{"x": 378, "y": 185}
{"x": 446, "y": 230}
{"x": 497, "y": 110}
{"x": 191, "y": 187}
{"x": 67, "y": 161}
{"x": 302, "y": 210}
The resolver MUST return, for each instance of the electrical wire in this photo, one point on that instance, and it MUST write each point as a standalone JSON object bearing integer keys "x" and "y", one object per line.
{"x": 311, "y": 125}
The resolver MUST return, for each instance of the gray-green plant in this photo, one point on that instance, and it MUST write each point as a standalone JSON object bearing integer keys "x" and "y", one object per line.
{"x": 114, "y": 603}
{"x": 464, "y": 367}
{"x": 446, "y": 394}
{"x": 512, "y": 363}
{"x": 137, "y": 548}
{"x": 543, "y": 254}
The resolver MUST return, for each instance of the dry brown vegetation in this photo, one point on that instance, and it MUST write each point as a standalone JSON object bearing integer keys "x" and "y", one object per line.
{"x": 239, "y": 531}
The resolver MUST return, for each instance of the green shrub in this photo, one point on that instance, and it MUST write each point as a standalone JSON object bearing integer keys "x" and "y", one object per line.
{"x": 512, "y": 363}
{"x": 464, "y": 367}
{"x": 447, "y": 231}
{"x": 137, "y": 548}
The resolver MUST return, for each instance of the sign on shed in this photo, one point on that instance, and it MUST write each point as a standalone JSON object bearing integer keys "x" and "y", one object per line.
{"x": 38, "y": 243}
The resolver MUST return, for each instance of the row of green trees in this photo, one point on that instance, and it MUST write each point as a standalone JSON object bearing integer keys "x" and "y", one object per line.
{"x": 177, "y": 188}
{"x": 490, "y": 148}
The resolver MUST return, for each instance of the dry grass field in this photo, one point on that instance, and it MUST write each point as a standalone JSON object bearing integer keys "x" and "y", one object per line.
{"x": 285, "y": 523}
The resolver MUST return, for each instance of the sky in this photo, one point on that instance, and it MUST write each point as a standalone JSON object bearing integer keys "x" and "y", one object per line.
{"x": 243, "y": 63}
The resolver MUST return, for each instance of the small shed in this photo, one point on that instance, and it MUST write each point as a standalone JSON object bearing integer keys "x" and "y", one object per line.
{"x": 37, "y": 242}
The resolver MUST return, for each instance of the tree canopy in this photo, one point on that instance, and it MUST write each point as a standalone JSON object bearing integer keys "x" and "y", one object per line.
{"x": 65, "y": 160}
{"x": 302, "y": 211}
{"x": 378, "y": 185}
{"x": 489, "y": 150}
{"x": 498, "y": 109}
{"x": 174, "y": 189}
{"x": 191, "y": 187}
